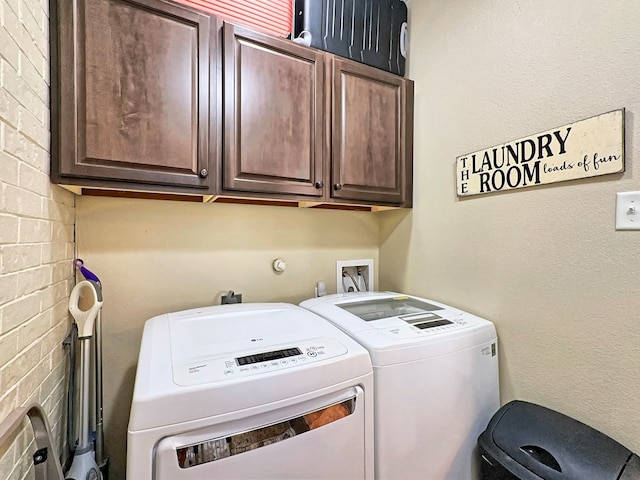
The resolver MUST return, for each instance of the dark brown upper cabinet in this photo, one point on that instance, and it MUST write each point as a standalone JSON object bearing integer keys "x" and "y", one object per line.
{"x": 134, "y": 95}
{"x": 274, "y": 115}
{"x": 304, "y": 122}
{"x": 372, "y": 134}
{"x": 153, "y": 97}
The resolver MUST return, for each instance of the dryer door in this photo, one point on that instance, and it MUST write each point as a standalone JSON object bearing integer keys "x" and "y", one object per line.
{"x": 319, "y": 439}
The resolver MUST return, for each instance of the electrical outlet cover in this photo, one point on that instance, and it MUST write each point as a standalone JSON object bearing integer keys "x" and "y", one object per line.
{"x": 628, "y": 211}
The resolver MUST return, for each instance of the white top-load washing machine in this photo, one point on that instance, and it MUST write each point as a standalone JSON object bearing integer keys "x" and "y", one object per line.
{"x": 250, "y": 391}
{"x": 435, "y": 380}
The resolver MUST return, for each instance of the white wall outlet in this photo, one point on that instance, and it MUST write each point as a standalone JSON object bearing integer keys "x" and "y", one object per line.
{"x": 628, "y": 211}
{"x": 354, "y": 276}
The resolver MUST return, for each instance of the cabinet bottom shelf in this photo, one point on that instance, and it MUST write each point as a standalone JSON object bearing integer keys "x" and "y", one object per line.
{"x": 199, "y": 198}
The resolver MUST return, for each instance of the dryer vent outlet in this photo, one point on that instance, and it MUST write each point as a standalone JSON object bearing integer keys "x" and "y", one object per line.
{"x": 231, "y": 297}
{"x": 354, "y": 276}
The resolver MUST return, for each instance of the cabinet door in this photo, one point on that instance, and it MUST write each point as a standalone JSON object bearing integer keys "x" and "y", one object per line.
{"x": 371, "y": 135}
{"x": 273, "y": 125}
{"x": 137, "y": 84}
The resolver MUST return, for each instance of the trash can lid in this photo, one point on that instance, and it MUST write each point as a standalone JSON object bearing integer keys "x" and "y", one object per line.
{"x": 555, "y": 446}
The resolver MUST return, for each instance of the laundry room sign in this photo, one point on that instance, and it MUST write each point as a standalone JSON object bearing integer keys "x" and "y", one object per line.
{"x": 583, "y": 149}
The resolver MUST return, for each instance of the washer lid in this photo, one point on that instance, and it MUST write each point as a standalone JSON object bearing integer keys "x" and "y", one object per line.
{"x": 402, "y": 306}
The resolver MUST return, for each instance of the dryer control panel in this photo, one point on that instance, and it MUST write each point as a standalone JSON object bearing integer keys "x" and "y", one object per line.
{"x": 258, "y": 362}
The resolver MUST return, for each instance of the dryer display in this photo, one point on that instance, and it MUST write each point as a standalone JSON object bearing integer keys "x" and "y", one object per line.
{"x": 268, "y": 356}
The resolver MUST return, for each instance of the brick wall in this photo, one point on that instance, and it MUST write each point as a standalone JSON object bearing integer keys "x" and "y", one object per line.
{"x": 36, "y": 234}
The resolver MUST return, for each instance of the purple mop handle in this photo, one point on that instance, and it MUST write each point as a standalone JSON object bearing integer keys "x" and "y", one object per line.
{"x": 88, "y": 274}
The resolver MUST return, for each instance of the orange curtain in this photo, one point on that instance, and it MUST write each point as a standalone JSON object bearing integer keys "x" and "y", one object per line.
{"x": 270, "y": 16}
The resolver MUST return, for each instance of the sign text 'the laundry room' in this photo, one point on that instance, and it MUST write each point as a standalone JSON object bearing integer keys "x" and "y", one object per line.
{"x": 583, "y": 149}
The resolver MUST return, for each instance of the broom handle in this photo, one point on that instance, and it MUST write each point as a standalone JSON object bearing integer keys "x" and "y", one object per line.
{"x": 98, "y": 377}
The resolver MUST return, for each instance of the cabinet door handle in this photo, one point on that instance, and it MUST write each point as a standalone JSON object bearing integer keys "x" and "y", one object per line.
{"x": 203, "y": 173}
{"x": 319, "y": 185}
{"x": 337, "y": 186}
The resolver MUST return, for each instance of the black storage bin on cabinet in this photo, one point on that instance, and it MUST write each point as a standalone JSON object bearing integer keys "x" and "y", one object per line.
{"x": 525, "y": 441}
{"x": 373, "y": 32}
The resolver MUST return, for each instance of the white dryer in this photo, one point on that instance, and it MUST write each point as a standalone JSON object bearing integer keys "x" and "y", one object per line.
{"x": 435, "y": 380}
{"x": 250, "y": 391}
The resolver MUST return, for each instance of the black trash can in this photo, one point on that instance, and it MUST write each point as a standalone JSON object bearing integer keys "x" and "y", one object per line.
{"x": 525, "y": 441}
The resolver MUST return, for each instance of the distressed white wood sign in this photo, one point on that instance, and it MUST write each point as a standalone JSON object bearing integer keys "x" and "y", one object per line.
{"x": 583, "y": 149}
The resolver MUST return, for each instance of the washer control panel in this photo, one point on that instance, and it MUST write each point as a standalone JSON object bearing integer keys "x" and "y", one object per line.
{"x": 258, "y": 362}
{"x": 412, "y": 326}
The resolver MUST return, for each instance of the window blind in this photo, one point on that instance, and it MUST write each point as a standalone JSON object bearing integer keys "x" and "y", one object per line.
{"x": 270, "y": 16}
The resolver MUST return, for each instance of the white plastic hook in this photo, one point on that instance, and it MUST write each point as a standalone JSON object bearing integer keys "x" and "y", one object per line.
{"x": 304, "y": 38}
{"x": 85, "y": 319}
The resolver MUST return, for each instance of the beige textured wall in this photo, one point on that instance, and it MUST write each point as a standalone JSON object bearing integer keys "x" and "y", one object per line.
{"x": 545, "y": 264}
{"x": 36, "y": 235}
{"x": 155, "y": 257}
